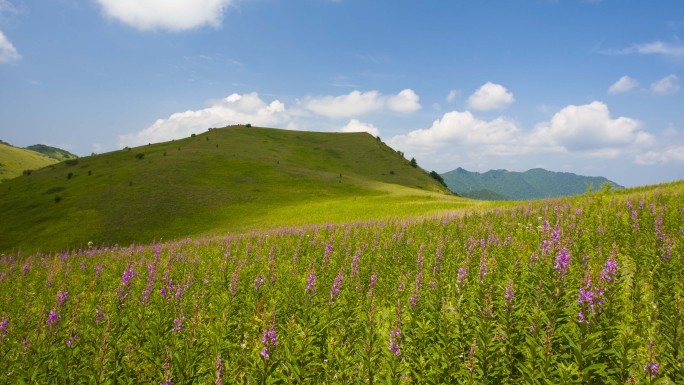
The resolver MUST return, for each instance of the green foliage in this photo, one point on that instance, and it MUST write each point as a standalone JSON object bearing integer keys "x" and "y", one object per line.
{"x": 413, "y": 163}
{"x": 71, "y": 162}
{"x": 583, "y": 290}
{"x": 139, "y": 156}
{"x": 438, "y": 178}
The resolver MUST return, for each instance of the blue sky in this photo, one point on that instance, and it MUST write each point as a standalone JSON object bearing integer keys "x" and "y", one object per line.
{"x": 590, "y": 87}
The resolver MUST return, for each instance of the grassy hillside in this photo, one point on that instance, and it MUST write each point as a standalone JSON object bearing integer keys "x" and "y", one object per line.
{"x": 531, "y": 184}
{"x": 53, "y": 152}
{"x": 14, "y": 160}
{"x": 227, "y": 179}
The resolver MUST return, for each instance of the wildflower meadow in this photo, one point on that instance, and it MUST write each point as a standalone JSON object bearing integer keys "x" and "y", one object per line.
{"x": 582, "y": 290}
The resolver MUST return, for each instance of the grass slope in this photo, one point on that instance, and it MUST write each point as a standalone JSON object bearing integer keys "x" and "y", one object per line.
{"x": 53, "y": 152}
{"x": 531, "y": 184}
{"x": 228, "y": 179}
{"x": 14, "y": 160}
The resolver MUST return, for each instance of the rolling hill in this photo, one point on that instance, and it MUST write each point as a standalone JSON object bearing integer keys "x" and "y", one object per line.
{"x": 53, "y": 152}
{"x": 14, "y": 161}
{"x": 510, "y": 185}
{"x": 227, "y": 179}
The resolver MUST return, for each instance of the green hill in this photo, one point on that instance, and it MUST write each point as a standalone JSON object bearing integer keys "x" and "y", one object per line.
{"x": 509, "y": 185}
{"x": 14, "y": 161}
{"x": 228, "y": 179}
{"x": 53, "y": 152}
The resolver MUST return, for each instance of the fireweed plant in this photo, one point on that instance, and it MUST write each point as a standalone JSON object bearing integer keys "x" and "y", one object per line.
{"x": 584, "y": 290}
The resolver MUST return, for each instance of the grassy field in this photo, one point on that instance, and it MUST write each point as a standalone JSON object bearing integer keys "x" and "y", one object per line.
{"x": 580, "y": 290}
{"x": 14, "y": 161}
{"x": 228, "y": 179}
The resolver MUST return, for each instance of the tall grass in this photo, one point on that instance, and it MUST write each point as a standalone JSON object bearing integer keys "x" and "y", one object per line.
{"x": 582, "y": 290}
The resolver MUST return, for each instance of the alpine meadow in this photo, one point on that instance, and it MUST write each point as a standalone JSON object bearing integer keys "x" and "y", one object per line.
{"x": 576, "y": 290}
{"x": 342, "y": 192}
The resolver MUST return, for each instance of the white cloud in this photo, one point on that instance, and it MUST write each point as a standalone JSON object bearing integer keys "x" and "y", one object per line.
{"x": 405, "y": 102}
{"x": 666, "y": 86}
{"x": 173, "y": 15}
{"x": 589, "y": 129}
{"x": 357, "y": 126}
{"x": 7, "y": 51}
{"x": 235, "y": 109}
{"x": 461, "y": 129}
{"x": 358, "y": 103}
{"x": 490, "y": 96}
{"x": 624, "y": 84}
{"x": 660, "y": 48}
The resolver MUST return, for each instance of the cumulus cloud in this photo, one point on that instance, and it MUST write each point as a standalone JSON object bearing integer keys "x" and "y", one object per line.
{"x": 358, "y": 103}
{"x": 7, "y": 51}
{"x": 490, "y": 96}
{"x": 235, "y": 109}
{"x": 462, "y": 129}
{"x": 405, "y": 102}
{"x": 357, "y": 126}
{"x": 173, "y": 15}
{"x": 589, "y": 129}
{"x": 669, "y": 154}
{"x": 666, "y": 86}
{"x": 624, "y": 84}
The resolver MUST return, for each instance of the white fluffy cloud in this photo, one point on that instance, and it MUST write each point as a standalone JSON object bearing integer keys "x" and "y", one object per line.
{"x": 406, "y": 101}
{"x": 490, "y": 96}
{"x": 580, "y": 131}
{"x": 666, "y": 86}
{"x": 358, "y": 103}
{"x": 235, "y": 109}
{"x": 357, "y": 126}
{"x": 7, "y": 51}
{"x": 174, "y": 15}
{"x": 624, "y": 84}
{"x": 462, "y": 129}
{"x": 589, "y": 129}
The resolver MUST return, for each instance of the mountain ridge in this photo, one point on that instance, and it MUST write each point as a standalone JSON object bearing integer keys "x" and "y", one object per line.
{"x": 534, "y": 183}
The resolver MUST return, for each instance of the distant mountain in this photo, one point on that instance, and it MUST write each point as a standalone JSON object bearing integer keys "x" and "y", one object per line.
{"x": 511, "y": 185}
{"x": 53, "y": 152}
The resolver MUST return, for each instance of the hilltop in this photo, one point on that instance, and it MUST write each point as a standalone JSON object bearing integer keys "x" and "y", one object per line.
{"x": 14, "y": 161}
{"x": 226, "y": 179}
{"x": 53, "y": 152}
{"x": 511, "y": 185}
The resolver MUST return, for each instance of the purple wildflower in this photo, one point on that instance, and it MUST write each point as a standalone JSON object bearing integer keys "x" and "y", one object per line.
{"x": 234, "y": 283}
{"x": 509, "y": 297}
{"x": 3, "y": 328}
{"x": 651, "y": 367}
{"x": 355, "y": 264}
{"x": 62, "y": 296}
{"x": 179, "y": 325}
{"x": 219, "y": 370}
{"x": 53, "y": 321}
{"x": 462, "y": 271}
{"x": 609, "y": 271}
{"x": 471, "y": 356}
{"x": 311, "y": 283}
{"x": 99, "y": 314}
{"x": 562, "y": 261}
{"x": 258, "y": 282}
{"x": 394, "y": 342}
{"x": 337, "y": 284}
{"x": 371, "y": 285}
{"x": 269, "y": 341}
